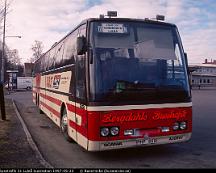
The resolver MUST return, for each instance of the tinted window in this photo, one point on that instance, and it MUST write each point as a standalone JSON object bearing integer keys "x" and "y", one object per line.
{"x": 82, "y": 30}
{"x": 70, "y": 49}
{"x": 43, "y": 64}
{"x": 51, "y": 59}
{"x": 59, "y": 55}
{"x": 137, "y": 61}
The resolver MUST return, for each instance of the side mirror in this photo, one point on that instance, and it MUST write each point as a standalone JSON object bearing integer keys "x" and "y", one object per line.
{"x": 81, "y": 45}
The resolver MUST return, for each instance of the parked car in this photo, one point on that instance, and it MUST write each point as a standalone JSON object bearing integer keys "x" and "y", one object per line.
{"x": 24, "y": 83}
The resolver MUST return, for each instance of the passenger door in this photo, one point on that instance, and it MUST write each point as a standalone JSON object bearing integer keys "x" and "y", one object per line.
{"x": 81, "y": 98}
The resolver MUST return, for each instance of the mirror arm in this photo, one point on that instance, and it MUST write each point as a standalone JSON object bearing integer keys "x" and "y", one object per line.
{"x": 90, "y": 56}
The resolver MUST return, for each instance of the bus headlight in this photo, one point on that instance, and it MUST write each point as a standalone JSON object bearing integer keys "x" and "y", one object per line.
{"x": 183, "y": 125}
{"x": 176, "y": 126}
{"x": 114, "y": 131}
{"x": 104, "y": 131}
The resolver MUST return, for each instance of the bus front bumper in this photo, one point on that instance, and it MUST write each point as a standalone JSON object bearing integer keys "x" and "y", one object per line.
{"x": 138, "y": 142}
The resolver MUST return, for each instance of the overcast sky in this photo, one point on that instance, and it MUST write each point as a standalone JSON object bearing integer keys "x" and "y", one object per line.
{"x": 49, "y": 20}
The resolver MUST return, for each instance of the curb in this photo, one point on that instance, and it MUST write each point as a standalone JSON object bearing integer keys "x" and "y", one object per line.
{"x": 31, "y": 141}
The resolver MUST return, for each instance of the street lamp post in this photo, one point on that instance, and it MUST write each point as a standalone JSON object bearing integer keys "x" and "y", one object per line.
{"x": 3, "y": 54}
{"x": 2, "y": 104}
{"x": 3, "y": 44}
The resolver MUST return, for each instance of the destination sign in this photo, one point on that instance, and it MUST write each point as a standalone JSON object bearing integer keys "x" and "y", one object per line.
{"x": 112, "y": 28}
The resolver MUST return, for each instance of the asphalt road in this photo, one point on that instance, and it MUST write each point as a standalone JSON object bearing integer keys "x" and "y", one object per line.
{"x": 199, "y": 152}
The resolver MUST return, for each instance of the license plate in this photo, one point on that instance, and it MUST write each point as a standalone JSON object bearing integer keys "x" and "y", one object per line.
{"x": 146, "y": 141}
{"x": 153, "y": 141}
{"x": 142, "y": 142}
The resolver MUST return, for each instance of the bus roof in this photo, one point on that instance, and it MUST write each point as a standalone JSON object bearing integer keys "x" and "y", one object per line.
{"x": 146, "y": 20}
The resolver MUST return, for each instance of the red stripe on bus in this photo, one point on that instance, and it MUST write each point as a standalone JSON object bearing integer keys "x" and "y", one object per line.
{"x": 80, "y": 129}
{"x": 71, "y": 107}
{"x": 72, "y": 124}
{"x": 51, "y": 99}
{"x": 56, "y": 113}
{"x": 79, "y": 111}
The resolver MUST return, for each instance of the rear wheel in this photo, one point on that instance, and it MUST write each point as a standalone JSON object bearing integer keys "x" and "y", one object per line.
{"x": 36, "y": 100}
{"x": 38, "y": 104}
{"x": 41, "y": 112}
{"x": 64, "y": 126}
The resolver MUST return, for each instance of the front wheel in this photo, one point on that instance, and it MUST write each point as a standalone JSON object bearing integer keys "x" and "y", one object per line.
{"x": 28, "y": 88}
{"x": 64, "y": 126}
{"x": 38, "y": 104}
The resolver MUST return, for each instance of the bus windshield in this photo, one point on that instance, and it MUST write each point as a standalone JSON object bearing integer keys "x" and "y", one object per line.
{"x": 137, "y": 61}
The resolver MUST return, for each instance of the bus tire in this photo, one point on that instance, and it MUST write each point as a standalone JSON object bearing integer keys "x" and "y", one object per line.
{"x": 40, "y": 111}
{"x": 28, "y": 88}
{"x": 38, "y": 104}
{"x": 36, "y": 99}
{"x": 64, "y": 125}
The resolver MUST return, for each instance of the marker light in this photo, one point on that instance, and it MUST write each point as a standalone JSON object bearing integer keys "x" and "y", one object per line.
{"x": 114, "y": 131}
{"x": 112, "y": 13}
{"x": 160, "y": 17}
{"x": 104, "y": 131}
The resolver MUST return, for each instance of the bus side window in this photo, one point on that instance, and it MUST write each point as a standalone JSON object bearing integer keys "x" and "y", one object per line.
{"x": 59, "y": 55}
{"x": 43, "y": 64}
{"x": 82, "y": 31}
{"x": 69, "y": 49}
{"x": 51, "y": 59}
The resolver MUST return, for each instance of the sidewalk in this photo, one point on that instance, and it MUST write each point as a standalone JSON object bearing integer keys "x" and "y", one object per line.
{"x": 15, "y": 151}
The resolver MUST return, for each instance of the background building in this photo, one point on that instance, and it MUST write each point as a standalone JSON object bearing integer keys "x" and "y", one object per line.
{"x": 28, "y": 69}
{"x": 203, "y": 75}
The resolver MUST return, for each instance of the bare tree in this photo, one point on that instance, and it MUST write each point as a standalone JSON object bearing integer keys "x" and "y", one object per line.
{"x": 37, "y": 49}
{"x": 13, "y": 61}
{"x": 2, "y": 10}
{"x": 1, "y": 15}
{"x": 13, "y": 57}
